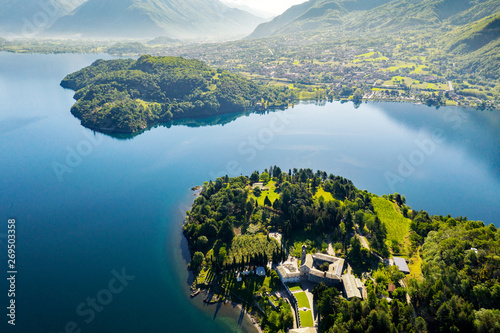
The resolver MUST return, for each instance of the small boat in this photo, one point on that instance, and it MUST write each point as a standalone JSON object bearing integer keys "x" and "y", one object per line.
{"x": 196, "y": 292}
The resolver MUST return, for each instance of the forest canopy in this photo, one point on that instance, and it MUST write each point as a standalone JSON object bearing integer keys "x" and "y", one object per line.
{"x": 454, "y": 280}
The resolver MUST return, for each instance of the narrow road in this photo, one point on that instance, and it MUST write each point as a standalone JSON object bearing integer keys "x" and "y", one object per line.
{"x": 450, "y": 85}
{"x": 403, "y": 284}
{"x": 363, "y": 241}
{"x": 330, "y": 250}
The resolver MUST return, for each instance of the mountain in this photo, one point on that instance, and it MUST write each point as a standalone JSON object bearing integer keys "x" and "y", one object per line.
{"x": 24, "y": 18}
{"x": 477, "y": 45}
{"x": 313, "y": 14}
{"x": 376, "y": 15}
{"x": 474, "y": 36}
{"x": 409, "y": 14}
{"x": 256, "y": 12}
{"x": 153, "y": 18}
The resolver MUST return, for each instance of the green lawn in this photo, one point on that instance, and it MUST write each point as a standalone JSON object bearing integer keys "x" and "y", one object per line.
{"x": 302, "y": 300}
{"x": 415, "y": 266}
{"x": 270, "y": 192}
{"x": 366, "y": 55}
{"x": 397, "y": 225}
{"x": 295, "y": 288}
{"x": 306, "y": 319}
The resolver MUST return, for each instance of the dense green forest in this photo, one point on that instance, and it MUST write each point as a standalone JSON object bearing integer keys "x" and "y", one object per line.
{"x": 455, "y": 263}
{"x": 129, "y": 96}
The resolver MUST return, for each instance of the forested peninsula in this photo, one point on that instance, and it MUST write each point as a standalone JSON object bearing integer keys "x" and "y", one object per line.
{"x": 305, "y": 249}
{"x": 128, "y": 96}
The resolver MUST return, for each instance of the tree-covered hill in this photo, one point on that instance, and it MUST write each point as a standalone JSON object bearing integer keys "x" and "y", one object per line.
{"x": 474, "y": 36}
{"x": 127, "y": 96}
{"x": 476, "y": 46}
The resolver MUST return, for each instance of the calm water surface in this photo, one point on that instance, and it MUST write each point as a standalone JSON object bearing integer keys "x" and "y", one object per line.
{"x": 89, "y": 206}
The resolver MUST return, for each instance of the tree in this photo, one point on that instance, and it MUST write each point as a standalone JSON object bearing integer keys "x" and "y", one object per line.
{"x": 287, "y": 319}
{"x": 257, "y": 191}
{"x": 254, "y": 178}
{"x": 276, "y": 204}
{"x": 319, "y": 225}
{"x": 197, "y": 260}
{"x": 222, "y": 255}
{"x": 355, "y": 251}
{"x": 349, "y": 225}
{"x": 264, "y": 177}
{"x": 359, "y": 219}
{"x": 357, "y": 96}
{"x": 202, "y": 242}
{"x": 226, "y": 232}
{"x": 249, "y": 206}
{"x": 267, "y": 202}
{"x": 274, "y": 278}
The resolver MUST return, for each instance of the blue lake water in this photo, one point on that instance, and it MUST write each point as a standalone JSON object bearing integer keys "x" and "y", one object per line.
{"x": 89, "y": 207}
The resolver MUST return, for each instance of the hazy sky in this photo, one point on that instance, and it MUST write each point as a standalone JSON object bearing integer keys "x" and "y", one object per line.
{"x": 271, "y": 6}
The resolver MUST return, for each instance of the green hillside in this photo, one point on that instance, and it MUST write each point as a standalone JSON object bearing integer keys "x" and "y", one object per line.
{"x": 474, "y": 36}
{"x": 314, "y": 14}
{"x": 476, "y": 46}
{"x": 376, "y": 16}
{"x": 397, "y": 225}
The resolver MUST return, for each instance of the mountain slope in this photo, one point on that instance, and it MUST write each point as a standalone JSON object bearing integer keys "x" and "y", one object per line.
{"x": 477, "y": 45}
{"x": 313, "y": 14}
{"x": 27, "y": 17}
{"x": 152, "y": 18}
{"x": 382, "y": 15}
{"x": 476, "y": 35}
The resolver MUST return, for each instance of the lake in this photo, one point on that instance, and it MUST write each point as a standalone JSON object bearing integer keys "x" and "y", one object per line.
{"x": 100, "y": 217}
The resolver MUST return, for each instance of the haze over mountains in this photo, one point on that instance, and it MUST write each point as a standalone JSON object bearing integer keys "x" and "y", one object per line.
{"x": 125, "y": 18}
{"x": 24, "y": 18}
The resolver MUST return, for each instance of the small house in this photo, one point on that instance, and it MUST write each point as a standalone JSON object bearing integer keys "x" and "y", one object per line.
{"x": 402, "y": 265}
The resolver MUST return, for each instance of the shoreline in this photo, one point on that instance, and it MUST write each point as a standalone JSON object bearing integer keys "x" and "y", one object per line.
{"x": 230, "y": 313}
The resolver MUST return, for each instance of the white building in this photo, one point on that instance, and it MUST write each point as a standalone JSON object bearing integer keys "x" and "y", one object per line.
{"x": 289, "y": 271}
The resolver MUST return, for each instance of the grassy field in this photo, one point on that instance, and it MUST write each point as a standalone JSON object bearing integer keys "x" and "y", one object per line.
{"x": 270, "y": 191}
{"x": 306, "y": 319}
{"x": 321, "y": 193}
{"x": 415, "y": 266}
{"x": 397, "y": 225}
{"x": 302, "y": 300}
{"x": 418, "y": 69}
{"x": 396, "y": 80}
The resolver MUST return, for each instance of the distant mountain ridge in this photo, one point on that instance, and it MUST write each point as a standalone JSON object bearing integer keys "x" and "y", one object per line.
{"x": 365, "y": 15}
{"x": 128, "y": 18}
{"x": 24, "y": 18}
